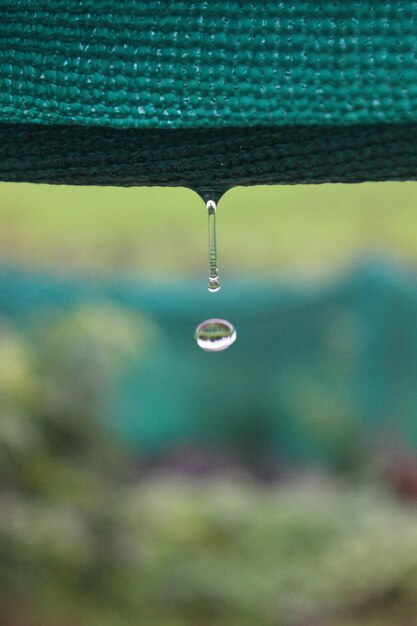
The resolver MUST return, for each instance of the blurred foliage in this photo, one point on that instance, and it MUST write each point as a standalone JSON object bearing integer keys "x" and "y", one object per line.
{"x": 164, "y": 230}
{"x": 84, "y": 542}
{"x": 59, "y": 473}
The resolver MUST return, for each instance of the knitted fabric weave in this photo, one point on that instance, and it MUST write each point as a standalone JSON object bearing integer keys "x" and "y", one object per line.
{"x": 208, "y": 93}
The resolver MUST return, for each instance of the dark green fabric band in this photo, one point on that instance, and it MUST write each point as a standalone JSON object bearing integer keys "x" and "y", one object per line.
{"x": 207, "y": 160}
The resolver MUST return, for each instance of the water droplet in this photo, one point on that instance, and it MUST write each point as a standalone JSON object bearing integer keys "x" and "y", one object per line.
{"x": 213, "y": 285}
{"x": 215, "y": 335}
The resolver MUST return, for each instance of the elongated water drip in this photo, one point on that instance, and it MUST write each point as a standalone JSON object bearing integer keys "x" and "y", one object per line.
{"x": 213, "y": 284}
{"x": 215, "y": 334}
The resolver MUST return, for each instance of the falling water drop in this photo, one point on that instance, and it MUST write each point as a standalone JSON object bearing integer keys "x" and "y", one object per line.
{"x": 215, "y": 335}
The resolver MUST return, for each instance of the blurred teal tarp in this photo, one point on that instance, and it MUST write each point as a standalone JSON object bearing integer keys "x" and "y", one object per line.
{"x": 316, "y": 368}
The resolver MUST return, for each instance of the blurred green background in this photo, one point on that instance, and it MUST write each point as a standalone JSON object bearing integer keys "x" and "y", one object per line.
{"x": 145, "y": 482}
{"x": 163, "y": 230}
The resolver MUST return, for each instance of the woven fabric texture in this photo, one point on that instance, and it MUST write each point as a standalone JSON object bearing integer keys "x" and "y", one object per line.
{"x": 210, "y": 161}
{"x": 176, "y": 64}
{"x": 207, "y": 94}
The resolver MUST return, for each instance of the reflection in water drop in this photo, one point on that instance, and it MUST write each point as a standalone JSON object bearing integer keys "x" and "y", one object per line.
{"x": 213, "y": 285}
{"x": 215, "y": 334}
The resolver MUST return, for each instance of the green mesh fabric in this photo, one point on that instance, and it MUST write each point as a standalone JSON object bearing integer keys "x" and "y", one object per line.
{"x": 147, "y": 64}
{"x": 240, "y": 91}
{"x": 210, "y": 161}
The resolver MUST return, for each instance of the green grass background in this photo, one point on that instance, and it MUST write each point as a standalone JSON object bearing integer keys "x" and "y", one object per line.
{"x": 163, "y": 230}
{"x": 80, "y": 542}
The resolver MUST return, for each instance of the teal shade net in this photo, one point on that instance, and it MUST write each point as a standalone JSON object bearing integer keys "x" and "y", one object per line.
{"x": 207, "y": 94}
{"x": 205, "y": 64}
{"x": 315, "y": 370}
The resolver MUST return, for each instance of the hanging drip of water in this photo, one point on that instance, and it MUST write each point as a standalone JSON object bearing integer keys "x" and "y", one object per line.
{"x": 213, "y": 284}
{"x": 214, "y": 334}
